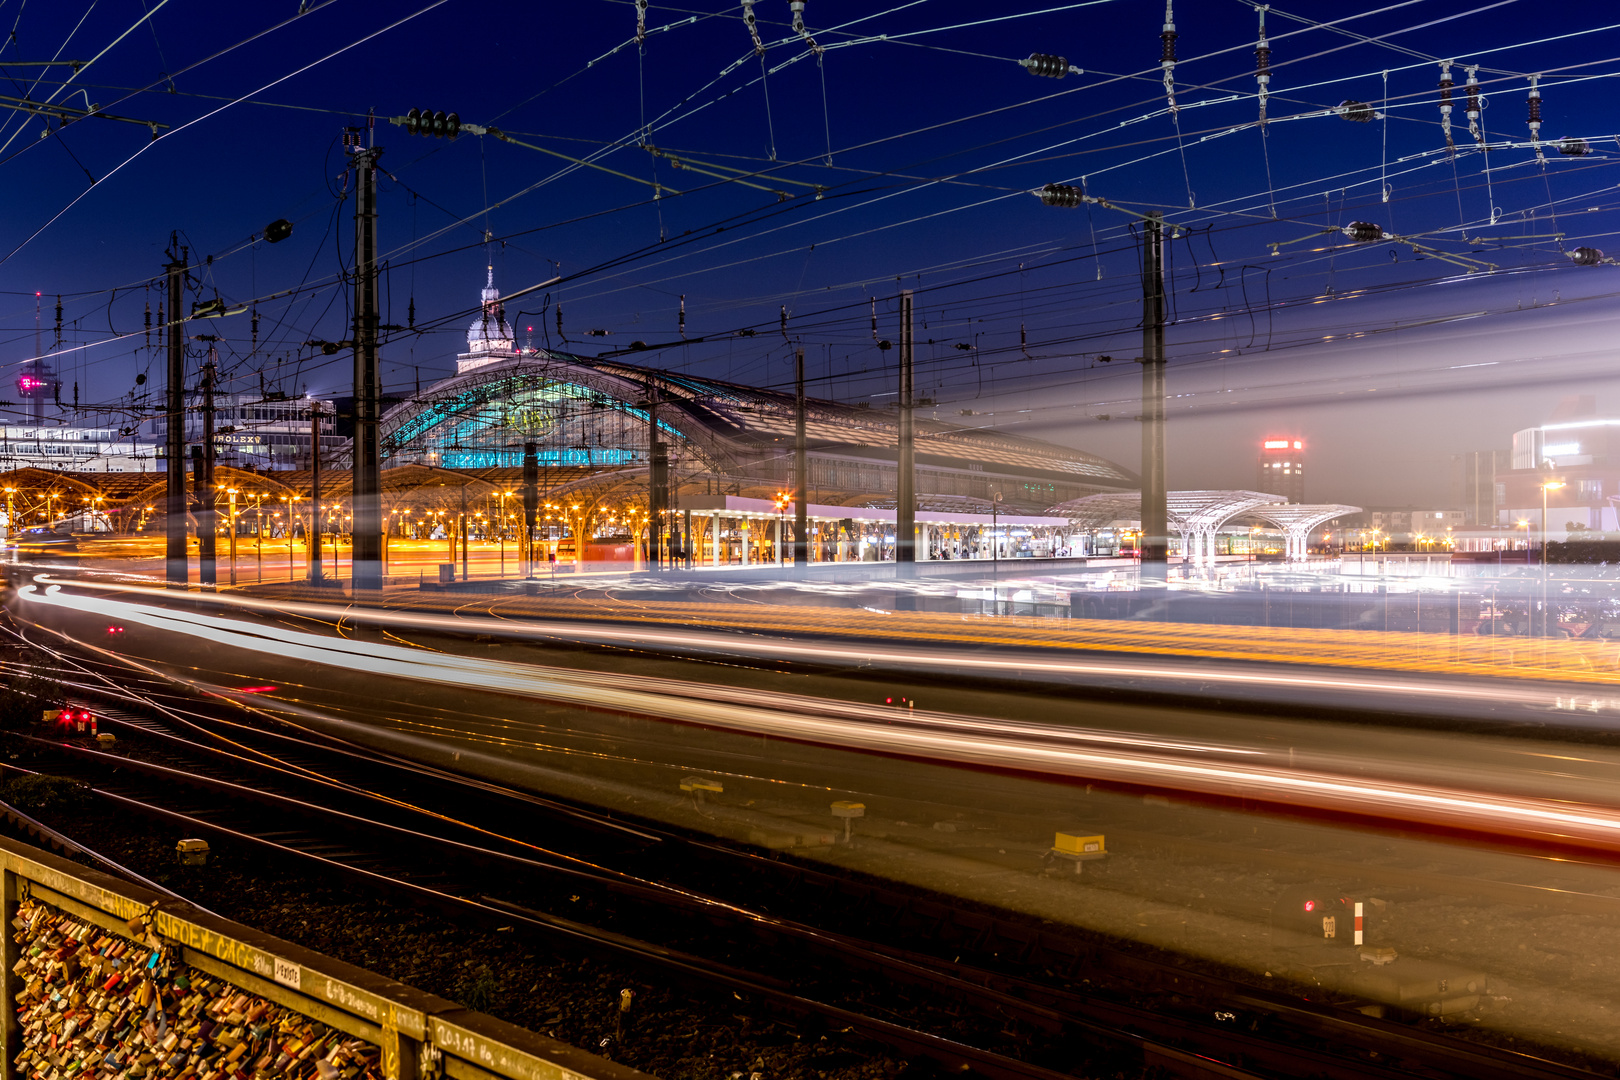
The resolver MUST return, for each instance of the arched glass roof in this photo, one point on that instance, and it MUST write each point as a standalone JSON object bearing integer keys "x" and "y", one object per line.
{"x": 599, "y": 408}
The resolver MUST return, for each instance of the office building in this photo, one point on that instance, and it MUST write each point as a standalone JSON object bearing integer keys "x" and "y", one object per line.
{"x": 1282, "y": 468}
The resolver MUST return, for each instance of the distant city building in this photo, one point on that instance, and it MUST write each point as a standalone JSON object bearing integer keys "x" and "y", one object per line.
{"x": 1573, "y": 461}
{"x": 52, "y": 444}
{"x": 250, "y": 432}
{"x": 73, "y": 448}
{"x": 1404, "y": 526}
{"x": 253, "y": 431}
{"x": 1282, "y": 469}
{"x": 1473, "y": 484}
{"x": 38, "y": 384}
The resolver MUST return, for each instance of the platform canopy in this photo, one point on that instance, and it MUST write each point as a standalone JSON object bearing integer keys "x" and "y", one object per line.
{"x": 1199, "y": 515}
{"x": 1191, "y": 513}
{"x": 1297, "y": 520}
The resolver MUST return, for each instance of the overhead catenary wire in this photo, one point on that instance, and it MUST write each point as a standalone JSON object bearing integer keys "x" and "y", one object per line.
{"x": 214, "y": 112}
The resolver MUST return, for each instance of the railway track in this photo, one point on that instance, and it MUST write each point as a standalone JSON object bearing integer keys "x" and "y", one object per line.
{"x": 1070, "y": 1000}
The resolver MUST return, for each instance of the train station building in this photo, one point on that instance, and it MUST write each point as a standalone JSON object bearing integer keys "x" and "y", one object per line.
{"x": 457, "y": 447}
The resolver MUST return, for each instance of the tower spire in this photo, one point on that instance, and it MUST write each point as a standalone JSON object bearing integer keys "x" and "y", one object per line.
{"x": 490, "y": 337}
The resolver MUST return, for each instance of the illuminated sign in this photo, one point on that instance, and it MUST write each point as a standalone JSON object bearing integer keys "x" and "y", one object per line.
{"x": 28, "y": 384}
{"x": 1276, "y": 444}
{"x": 1561, "y": 449}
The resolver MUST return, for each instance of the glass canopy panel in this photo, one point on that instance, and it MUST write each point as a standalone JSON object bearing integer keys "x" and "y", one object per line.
{"x": 485, "y": 425}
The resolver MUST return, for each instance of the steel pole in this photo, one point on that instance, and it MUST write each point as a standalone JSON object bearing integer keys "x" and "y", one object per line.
{"x": 531, "y": 505}
{"x": 1155, "y": 540}
{"x": 365, "y": 559}
{"x": 177, "y": 560}
{"x": 905, "y": 506}
{"x": 801, "y": 469}
{"x": 657, "y": 489}
{"x": 312, "y": 538}
{"x": 1544, "y": 558}
{"x": 207, "y": 527}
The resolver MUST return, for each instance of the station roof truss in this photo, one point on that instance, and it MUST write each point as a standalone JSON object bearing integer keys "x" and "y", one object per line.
{"x": 120, "y": 491}
{"x": 550, "y": 397}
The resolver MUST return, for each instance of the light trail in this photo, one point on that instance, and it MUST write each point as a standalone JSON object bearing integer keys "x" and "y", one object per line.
{"x": 1044, "y": 651}
{"x": 1204, "y": 769}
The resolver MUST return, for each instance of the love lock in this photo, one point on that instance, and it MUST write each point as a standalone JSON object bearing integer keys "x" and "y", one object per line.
{"x": 430, "y": 1062}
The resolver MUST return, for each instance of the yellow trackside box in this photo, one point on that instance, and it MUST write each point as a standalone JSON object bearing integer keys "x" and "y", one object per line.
{"x": 192, "y": 852}
{"x": 1078, "y": 846}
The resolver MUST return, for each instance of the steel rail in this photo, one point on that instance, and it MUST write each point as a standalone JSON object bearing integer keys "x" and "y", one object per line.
{"x": 982, "y": 986}
{"x": 952, "y": 1055}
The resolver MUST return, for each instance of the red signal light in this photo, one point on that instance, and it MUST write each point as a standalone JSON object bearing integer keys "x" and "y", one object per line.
{"x": 115, "y": 630}
{"x": 1310, "y": 905}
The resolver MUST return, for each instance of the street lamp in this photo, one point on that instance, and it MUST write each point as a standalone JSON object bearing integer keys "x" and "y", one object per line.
{"x": 574, "y": 523}
{"x": 782, "y": 500}
{"x": 502, "y": 531}
{"x": 334, "y": 523}
{"x": 232, "y": 519}
{"x": 258, "y": 531}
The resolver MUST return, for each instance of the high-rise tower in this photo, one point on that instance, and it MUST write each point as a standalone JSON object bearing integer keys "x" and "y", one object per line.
{"x": 1282, "y": 469}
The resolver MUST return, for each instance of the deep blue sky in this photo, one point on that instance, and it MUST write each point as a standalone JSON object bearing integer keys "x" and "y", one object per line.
{"x": 933, "y": 135}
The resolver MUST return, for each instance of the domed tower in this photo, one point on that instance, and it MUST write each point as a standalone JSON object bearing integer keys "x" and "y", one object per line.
{"x": 489, "y": 339}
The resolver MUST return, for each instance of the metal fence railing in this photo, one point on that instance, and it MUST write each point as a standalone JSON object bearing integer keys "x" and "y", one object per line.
{"x": 418, "y": 1035}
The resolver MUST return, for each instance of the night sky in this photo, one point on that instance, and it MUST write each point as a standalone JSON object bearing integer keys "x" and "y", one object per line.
{"x": 901, "y": 156}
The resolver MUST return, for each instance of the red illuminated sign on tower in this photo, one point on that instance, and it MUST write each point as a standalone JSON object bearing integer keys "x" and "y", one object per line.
{"x": 1282, "y": 468}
